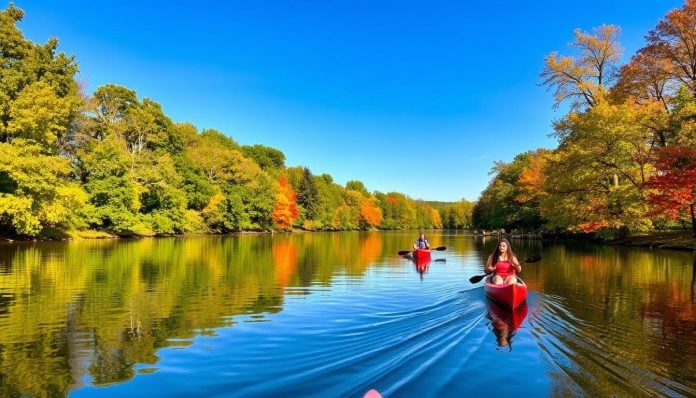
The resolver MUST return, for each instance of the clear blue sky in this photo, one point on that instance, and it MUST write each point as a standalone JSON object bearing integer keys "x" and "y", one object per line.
{"x": 415, "y": 97}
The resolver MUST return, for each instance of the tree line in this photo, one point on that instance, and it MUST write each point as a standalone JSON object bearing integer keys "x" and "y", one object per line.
{"x": 72, "y": 164}
{"x": 626, "y": 155}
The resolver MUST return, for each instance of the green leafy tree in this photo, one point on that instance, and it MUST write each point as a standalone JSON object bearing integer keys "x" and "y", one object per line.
{"x": 38, "y": 105}
{"x": 38, "y": 92}
{"x": 36, "y": 193}
{"x": 112, "y": 190}
{"x": 307, "y": 196}
{"x": 356, "y": 185}
{"x": 162, "y": 202}
{"x": 108, "y": 106}
{"x": 500, "y": 206}
{"x": 166, "y": 137}
{"x": 268, "y": 158}
{"x": 197, "y": 188}
{"x": 40, "y": 115}
{"x": 454, "y": 215}
{"x": 399, "y": 211}
{"x": 330, "y": 200}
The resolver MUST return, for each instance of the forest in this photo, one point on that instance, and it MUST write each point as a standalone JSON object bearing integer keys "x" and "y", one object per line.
{"x": 626, "y": 155}
{"x": 109, "y": 163}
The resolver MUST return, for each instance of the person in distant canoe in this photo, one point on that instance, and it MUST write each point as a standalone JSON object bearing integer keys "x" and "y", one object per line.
{"x": 503, "y": 264}
{"x": 421, "y": 243}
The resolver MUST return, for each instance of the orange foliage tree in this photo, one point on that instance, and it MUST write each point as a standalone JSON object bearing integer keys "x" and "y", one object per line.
{"x": 370, "y": 213}
{"x": 674, "y": 39}
{"x": 285, "y": 209}
{"x": 532, "y": 177}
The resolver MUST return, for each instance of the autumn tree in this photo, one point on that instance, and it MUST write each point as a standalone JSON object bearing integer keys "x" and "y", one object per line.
{"x": 398, "y": 210}
{"x": 586, "y": 77}
{"x": 285, "y": 209}
{"x": 370, "y": 213}
{"x": 673, "y": 187}
{"x": 645, "y": 78}
{"x": 674, "y": 40}
{"x": 595, "y": 178}
{"x": 502, "y": 204}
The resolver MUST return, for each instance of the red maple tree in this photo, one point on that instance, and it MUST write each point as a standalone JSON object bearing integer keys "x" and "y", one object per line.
{"x": 673, "y": 187}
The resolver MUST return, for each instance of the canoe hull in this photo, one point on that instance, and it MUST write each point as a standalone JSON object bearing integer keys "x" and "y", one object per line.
{"x": 421, "y": 255}
{"x": 509, "y": 296}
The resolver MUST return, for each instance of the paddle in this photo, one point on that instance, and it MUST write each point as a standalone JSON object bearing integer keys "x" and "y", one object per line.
{"x": 534, "y": 259}
{"x": 440, "y": 248}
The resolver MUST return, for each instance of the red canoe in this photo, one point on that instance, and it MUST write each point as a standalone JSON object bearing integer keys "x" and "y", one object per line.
{"x": 421, "y": 255}
{"x": 508, "y": 295}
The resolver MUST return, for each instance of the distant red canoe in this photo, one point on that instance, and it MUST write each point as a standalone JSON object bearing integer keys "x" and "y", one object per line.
{"x": 508, "y": 295}
{"x": 421, "y": 255}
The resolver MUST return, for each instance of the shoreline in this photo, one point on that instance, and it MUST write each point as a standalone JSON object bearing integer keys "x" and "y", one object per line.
{"x": 660, "y": 240}
{"x": 671, "y": 240}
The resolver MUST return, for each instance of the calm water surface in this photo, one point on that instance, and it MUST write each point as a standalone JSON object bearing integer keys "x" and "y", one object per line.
{"x": 335, "y": 314}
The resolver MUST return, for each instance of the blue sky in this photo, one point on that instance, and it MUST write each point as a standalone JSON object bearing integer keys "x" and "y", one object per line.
{"x": 414, "y": 97}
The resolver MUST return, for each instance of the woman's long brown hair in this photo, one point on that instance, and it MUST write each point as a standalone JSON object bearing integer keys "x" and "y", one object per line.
{"x": 496, "y": 253}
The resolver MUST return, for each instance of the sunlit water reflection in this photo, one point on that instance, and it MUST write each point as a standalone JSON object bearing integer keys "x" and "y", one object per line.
{"x": 338, "y": 314}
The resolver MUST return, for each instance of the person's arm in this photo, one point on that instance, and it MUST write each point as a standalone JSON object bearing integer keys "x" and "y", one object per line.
{"x": 490, "y": 268}
{"x": 427, "y": 244}
{"x": 516, "y": 265}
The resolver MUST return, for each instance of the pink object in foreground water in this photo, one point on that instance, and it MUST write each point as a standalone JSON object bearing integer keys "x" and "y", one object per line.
{"x": 372, "y": 394}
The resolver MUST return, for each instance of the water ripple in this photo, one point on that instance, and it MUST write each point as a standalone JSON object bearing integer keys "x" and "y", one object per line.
{"x": 391, "y": 348}
{"x": 596, "y": 360}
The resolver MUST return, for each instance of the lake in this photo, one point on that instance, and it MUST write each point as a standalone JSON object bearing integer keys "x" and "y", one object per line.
{"x": 336, "y": 314}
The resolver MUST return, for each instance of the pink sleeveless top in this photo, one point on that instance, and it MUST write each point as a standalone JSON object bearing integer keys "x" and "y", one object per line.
{"x": 504, "y": 268}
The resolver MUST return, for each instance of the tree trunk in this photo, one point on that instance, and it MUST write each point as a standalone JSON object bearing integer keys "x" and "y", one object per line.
{"x": 693, "y": 218}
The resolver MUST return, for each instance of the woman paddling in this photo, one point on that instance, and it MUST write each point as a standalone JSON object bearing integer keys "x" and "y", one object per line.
{"x": 504, "y": 264}
{"x": 421, "y": 243}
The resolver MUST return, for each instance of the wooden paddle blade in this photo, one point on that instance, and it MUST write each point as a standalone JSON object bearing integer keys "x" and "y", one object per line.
{"x": 404, "y": 252}
{"x": 534, "y": 259}
{"x": 476, "y": 278}
{"x": 440, "y": 248}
